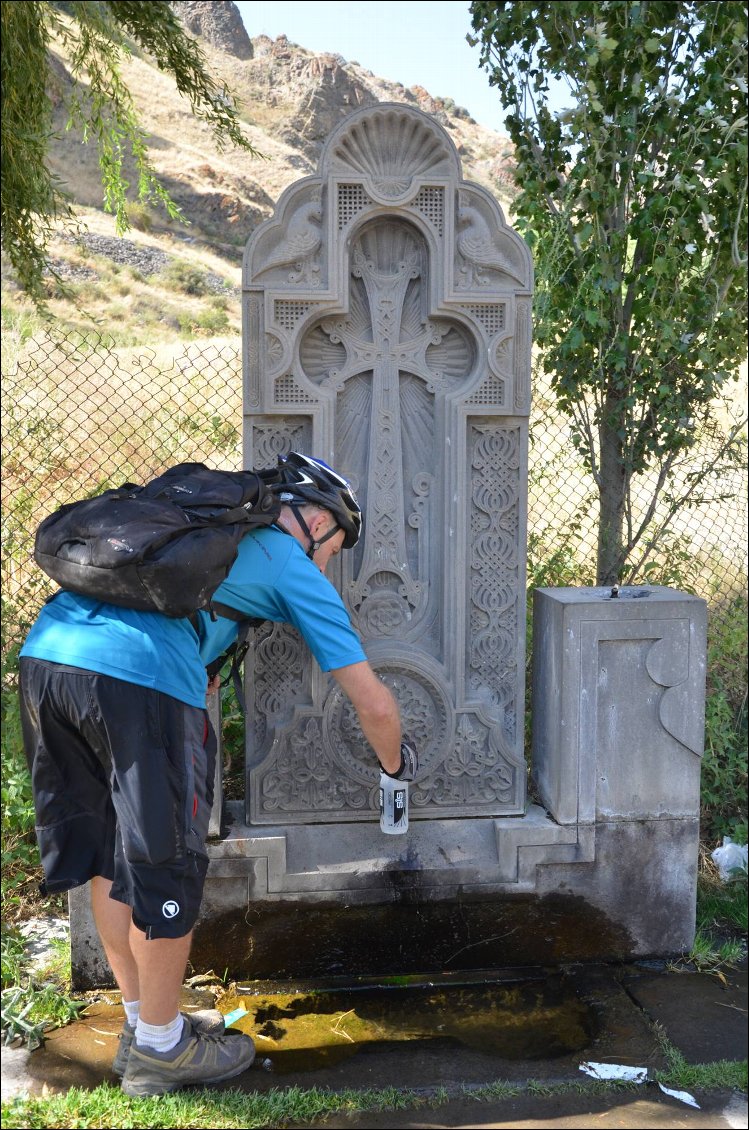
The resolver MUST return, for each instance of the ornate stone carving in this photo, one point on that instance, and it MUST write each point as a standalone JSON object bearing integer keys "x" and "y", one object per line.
{"x": 286, "y": 313}
{"x": 392, "y": 150}
{"x": 295, "y": 255}
{"x": 490, "y": 393}
{"x": 278, "y": 676}
{"x": 271, "y": 438}
{"x": 273, "y": 351}
{"x": 490, "y": 315}
{"x": 522, "y": 370}
{"x": 252, "y": 359}
{"x": 400, "y": 369}
{"x": 425, "y": 713}
{"x": 475, "y": 771}
{"x": 289, "y": 391}
{"x": 430, "y": 202}
{"x": 352, "y": 199}
{"x": 494, "y": 565}
{"x": 487, "y": 256}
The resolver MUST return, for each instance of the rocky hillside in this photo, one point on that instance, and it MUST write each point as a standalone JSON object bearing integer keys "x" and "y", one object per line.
{"x": 166, "y": 279}
{"x": 290, "y": 99}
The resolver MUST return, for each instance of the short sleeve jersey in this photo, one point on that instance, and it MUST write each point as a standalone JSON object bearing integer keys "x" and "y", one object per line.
{"x": 272, "y": 579}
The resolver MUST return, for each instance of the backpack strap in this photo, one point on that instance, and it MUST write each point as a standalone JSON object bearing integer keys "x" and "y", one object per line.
{"x": 238, "y": 649}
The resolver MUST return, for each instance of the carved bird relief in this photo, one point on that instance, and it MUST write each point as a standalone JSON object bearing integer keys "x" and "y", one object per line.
{"x": 300, "y": 246}
{"x": 481, "y": 250}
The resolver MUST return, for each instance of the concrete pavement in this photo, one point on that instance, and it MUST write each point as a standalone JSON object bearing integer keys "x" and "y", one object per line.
{"x": 627, "y": 1011}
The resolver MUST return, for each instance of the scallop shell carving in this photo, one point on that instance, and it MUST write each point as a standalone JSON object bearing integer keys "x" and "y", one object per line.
{"x": 320, "y": 356}
{"x": 453, "y": 356}
{"x": 392, "y": 149}
{"x": 388, "y": 247}
{"x": 273, "y": 351}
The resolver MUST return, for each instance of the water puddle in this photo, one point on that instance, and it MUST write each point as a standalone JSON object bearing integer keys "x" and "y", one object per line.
{"x": 313, "y": 1029}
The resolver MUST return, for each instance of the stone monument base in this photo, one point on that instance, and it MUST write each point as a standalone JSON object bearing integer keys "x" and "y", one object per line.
{"x": 605, "y": 868}
{"x": 450, "y": 895}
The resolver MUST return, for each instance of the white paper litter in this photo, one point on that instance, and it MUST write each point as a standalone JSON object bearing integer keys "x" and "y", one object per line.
{"x": 615, "y": 1071}
{"x": 682, "y": 1096}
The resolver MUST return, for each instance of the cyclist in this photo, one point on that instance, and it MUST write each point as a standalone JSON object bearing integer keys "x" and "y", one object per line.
{"x": 122, "y": 759}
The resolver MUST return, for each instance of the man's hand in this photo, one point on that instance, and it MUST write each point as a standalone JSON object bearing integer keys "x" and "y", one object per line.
{"x": 409, "y": 765}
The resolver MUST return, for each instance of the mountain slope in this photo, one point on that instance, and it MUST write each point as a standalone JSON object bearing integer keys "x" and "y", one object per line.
{"x": 290, "y": 98}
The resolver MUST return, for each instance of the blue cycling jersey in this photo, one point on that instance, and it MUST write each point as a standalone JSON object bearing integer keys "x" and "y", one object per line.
{"x": 272, "y": 578}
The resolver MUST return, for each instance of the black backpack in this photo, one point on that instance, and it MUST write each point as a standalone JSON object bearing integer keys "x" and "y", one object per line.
{"x": 163, "y": 547}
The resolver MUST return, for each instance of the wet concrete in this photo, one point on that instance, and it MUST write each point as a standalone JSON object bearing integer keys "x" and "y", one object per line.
{"x": 707, "y": 1021}
{"x": 372, "y": 1035}
{"x": 414, "y": 933}
{"x": 511, "y": 1019}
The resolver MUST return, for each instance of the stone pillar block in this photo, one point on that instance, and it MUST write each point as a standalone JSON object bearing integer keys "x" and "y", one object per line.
{"x": 618, "y": 703}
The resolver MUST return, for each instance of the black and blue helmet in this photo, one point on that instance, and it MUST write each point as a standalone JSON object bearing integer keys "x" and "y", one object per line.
{"x": 303, "y": 480}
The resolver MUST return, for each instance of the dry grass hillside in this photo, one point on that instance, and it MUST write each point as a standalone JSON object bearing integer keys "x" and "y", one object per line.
{"x": 166, "y": 280}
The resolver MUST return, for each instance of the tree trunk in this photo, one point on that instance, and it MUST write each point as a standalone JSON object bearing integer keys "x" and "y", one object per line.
{"x": 612, "y": 495}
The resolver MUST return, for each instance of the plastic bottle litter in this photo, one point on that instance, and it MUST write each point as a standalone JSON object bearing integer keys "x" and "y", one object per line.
{"x": 393, "y": 805}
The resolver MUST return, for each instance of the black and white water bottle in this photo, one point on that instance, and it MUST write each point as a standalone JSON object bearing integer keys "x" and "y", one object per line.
{"x": 393, "y": 805}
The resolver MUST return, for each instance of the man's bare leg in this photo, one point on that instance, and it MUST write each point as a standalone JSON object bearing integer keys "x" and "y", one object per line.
{"x": 150, "y": 971}
{"x": 161, "y": 966}
{"x": 113, "y": 921}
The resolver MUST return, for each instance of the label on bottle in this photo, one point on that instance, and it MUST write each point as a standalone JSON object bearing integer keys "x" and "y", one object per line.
{"x": 393, "y": 805}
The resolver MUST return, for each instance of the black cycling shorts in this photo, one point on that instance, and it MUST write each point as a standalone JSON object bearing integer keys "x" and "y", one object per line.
{"x": 123, "y": 786}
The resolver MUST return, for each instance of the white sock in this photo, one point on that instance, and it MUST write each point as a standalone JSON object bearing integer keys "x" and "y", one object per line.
{"x": 132, "y": 1009}
{"x": 160, "y": 1037}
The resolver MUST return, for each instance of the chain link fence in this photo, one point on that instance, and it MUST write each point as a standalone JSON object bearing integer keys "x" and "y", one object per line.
{"x": 80, "y": 416}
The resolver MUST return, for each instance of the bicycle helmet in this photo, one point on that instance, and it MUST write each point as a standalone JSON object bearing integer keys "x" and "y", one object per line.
{"x": 303, "y": 480}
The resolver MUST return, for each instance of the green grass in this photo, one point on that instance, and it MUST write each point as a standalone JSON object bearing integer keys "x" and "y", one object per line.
{"x": 708, "y": 953}
{"x": 106, "y": 1106}
{"x": 13, "y": 958}
{"x": 30, "y": 1009}
{"x": 720, "y": 936}
{"x": 723, "y": 1074}
{"x": 35, "y": 1001}
{"x": 723, "y": 904}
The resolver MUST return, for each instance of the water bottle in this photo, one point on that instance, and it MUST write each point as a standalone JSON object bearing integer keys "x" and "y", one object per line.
{"x": 393, "y": 805}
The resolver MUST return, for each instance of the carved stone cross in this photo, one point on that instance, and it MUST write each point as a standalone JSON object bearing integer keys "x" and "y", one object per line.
{"x": 394, "y": 306}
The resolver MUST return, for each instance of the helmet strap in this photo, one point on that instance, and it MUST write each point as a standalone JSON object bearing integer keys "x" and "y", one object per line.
{"x": 314, "y": 545}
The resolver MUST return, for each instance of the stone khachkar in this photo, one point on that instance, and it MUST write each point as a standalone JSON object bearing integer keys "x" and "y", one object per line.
{"x": 387, "y": 330}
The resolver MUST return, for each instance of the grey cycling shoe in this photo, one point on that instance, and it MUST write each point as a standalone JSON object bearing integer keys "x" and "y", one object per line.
{"x": 199, "y": 1057}
{"x": 208, "y": 1020}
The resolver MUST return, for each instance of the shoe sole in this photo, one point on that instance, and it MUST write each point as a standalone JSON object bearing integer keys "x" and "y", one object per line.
{"x": 138, "y": 1090}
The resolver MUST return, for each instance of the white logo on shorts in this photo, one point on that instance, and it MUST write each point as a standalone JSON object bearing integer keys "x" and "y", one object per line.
{"x": 170, "y": 909}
